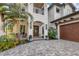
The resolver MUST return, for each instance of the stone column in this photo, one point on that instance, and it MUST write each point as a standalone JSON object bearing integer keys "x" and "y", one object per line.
{"x": 30, "y": 22}
{"x": 30, "y": 30}
{"x": 45, "y": 31}
{"x": 58, "y": 32}
{"x": 46, "y": 22}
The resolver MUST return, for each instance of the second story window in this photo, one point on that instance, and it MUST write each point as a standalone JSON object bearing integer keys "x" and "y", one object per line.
{"x": 23, "y": 9}
{"x": 22, "y": 29}
{"x": 42, "y": 11}
{"x": 36, "y": 10}
{"x": 57, "y": 10}
{"x": 46, "y": 26}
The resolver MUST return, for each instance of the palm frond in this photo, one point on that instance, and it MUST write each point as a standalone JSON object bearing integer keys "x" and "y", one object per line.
{"x": 14, "y": 11}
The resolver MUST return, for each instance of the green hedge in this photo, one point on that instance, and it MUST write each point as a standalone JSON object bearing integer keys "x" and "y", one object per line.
{"x": 6, "y": 45}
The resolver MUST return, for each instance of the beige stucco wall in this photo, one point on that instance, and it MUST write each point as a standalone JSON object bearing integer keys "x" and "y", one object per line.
{"x": 53, "y": 15}
{"x": 40, "y": 17}
{"x": 67, "y": 10}
{"x": 36, "y": 17}
{"x": 16, "y": 28}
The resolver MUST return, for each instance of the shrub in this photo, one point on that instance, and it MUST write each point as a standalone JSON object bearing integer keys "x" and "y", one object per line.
{"x": 6, "y": 45}
{"x": 8, "y": 41}
{"x": 11, "y": 36}
{"x": 8, "y": 37}
{"x": 52, "y": 33}
{"x": 3, "y": 38}
{"x": 30, "y": 37}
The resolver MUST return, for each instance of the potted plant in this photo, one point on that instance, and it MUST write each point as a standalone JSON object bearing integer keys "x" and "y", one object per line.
{"x": 30, "y": 38}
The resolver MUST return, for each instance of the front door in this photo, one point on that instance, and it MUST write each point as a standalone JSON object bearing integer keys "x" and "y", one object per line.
{"x": 36, "y": 31}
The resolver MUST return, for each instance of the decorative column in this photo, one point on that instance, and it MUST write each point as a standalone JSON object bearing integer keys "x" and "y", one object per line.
{"x": 46, "y": 21}
{"x": 45, "y": 31}
{"x": 58, "y": 32}
{"x": 30, "y": 29}
{"x": 30, "y": 22}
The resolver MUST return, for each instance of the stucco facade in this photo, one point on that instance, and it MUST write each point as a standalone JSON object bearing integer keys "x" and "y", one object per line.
{"x": 63, "y": 10}
{"x": 39, "y": 11}
{"x": 39, "y": 19}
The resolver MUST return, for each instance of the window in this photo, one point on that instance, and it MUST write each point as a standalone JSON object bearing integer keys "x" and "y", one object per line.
{"x": 23, "y": 9}
{"x": 22, "y": 29}
{"x": 36, "y": 10}
{"x": 43, "y": 30}
{"x": 26, "y": 4}
{"x": 42, "y": 10}
{"x": 39, "y": 10}
{"x": 57, "y": 10}
{"x": 46, "y": 26}
{"x": 63, "y": 5}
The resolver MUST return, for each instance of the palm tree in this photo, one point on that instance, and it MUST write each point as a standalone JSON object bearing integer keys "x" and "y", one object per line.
{"x": 14, "y": 14}
{"x": 3, "y": 9}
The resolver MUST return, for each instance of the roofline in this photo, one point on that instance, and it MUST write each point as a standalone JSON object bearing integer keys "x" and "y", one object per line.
{"x": 77, "y": 12}
{"x": 58, "y": 4}
{"x": 52, "y": 5}
{"x": 72, "y": 5}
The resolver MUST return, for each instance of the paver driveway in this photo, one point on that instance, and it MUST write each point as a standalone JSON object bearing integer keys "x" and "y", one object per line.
{"x": 45, "y": 47}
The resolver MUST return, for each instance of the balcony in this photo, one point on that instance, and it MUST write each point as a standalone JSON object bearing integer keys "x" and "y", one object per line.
{"x": 38, "y": 8}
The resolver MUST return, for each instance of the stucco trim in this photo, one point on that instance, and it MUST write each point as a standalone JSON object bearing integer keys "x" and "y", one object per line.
{"x": 69, "y": 22}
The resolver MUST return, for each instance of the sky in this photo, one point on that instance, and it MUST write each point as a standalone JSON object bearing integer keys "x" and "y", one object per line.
{"x": 77, "y": 6}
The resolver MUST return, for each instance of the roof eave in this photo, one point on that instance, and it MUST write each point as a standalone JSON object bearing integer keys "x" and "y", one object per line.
{"x": 77, "y": 12}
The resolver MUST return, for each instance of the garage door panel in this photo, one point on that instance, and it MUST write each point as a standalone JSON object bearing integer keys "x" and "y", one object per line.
{"x": 70, "y": 32}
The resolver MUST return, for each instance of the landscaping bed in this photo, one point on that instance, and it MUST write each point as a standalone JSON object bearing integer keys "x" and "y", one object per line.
{"x": 10, "y": 41}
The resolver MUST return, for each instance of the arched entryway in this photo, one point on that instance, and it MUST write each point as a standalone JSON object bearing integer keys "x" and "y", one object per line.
{"x": 38, "y": 29}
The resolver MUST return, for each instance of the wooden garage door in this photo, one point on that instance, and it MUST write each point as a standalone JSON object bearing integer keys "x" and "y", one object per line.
{"x": 70, "y": 32}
